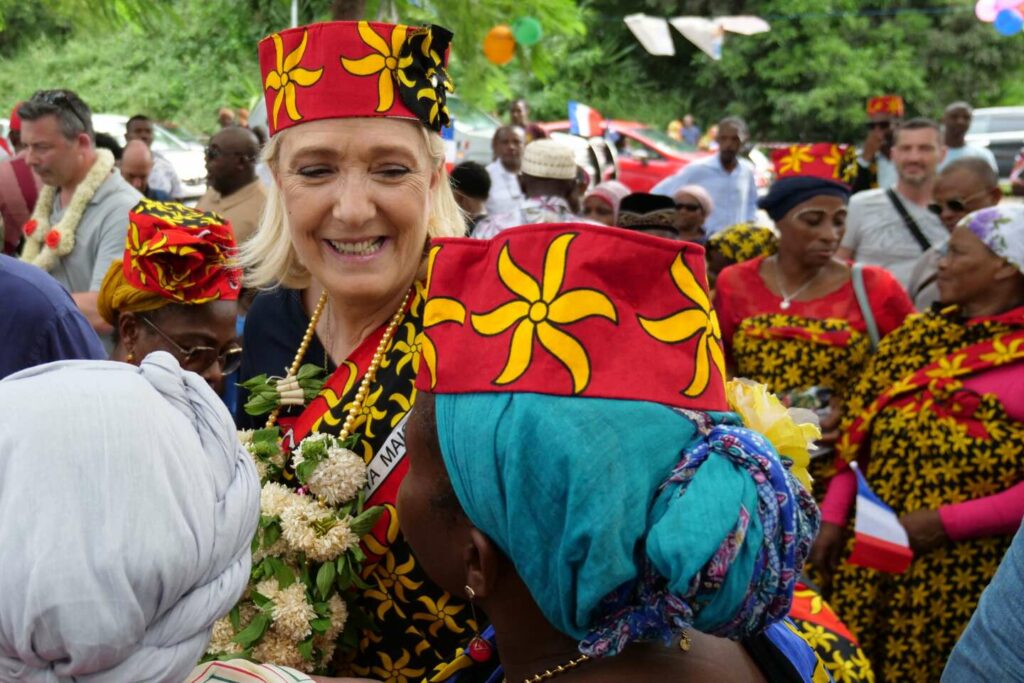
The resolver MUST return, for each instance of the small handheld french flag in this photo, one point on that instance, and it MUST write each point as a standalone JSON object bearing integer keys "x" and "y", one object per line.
{"x": 880, "y": 541}
{"x": 583, "y": 120}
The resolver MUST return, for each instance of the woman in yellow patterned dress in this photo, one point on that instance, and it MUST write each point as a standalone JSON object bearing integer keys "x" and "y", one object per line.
{"x": 793, "y": 320}
{"x": 736, "y": 244}
{"x": 360, "y": 188}
{"x": 936, "y": 424}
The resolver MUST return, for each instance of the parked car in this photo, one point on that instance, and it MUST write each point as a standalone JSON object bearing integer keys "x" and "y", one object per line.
{"x": 474, "y": 129}
{"x": 645, "y": 155}
{"x": 185, "y": 155}
{"x": 1001, "y": 129}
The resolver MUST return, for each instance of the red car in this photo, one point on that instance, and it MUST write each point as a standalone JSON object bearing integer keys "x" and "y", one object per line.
{"x": 645, "y": 155}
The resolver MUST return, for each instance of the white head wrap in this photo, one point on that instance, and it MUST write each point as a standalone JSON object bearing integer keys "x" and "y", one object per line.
{"x": 128, "y": 506}
{"x": 1001, "y": 228}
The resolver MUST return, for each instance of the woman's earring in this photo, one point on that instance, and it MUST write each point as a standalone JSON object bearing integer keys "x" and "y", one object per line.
{"x": 130, "y": 357}
{"x": 479, "y": 649}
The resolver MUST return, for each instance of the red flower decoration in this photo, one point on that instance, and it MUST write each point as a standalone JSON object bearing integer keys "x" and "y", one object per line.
{"x": 30, "y": 227}
{"x": 52, "y": 239}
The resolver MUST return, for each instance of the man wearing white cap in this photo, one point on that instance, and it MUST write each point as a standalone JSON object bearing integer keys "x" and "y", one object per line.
{"x": 548, "y": 177}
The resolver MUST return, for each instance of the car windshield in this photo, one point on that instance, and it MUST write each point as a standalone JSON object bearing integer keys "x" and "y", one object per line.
{"x": 470, "y": 116}
{"x": 996, "y": 122}
{"x": 662, "y": 139}
{"x": 183, "y": 134}
{"x": 164, "y": 141}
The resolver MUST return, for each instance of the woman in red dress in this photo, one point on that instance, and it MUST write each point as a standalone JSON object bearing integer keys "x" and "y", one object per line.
{"x": 794, "y": 320}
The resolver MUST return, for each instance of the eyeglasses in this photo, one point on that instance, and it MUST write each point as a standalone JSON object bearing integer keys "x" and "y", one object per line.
{"x": 64, "y": 100}
{"x": 212, "y": 152}
{"x": 689, "y": 207}
{"x": 955, "y": 205}
{"x": 884, "y": 125}
{"x": 199, "y": 358}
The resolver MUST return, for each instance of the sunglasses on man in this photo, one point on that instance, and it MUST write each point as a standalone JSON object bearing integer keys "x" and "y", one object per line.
{"x": 955, "y": 205}
{"x": 213, "y": 152}
{"x": 884, "y": 125}
{"x": 199, "y": 358}
{"x": 62, "y": 99}
{"x": 689, "y": 207}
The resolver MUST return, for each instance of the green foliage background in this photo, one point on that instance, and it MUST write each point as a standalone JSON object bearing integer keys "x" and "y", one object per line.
{"x": 806, "y": 79}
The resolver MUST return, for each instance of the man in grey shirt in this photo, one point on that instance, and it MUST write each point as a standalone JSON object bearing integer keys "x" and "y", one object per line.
{"x": 58, "y": 134}
{"x": 877, "y": 231}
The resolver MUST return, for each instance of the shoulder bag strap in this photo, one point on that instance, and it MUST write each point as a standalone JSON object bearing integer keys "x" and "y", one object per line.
{"x": 908, "y": 220}
{"x": 861, "y": 292}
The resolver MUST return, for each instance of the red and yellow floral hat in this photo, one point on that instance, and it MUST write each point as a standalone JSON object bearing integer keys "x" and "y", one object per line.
{"x": 886, "y": 104}
{"x": 572, "y": 310}
{"x": 347, "y": 69}
{"x": 818, "y": 160}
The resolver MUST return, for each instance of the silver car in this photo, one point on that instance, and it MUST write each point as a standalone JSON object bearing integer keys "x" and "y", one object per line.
{"x": 1001, "y": 129}
{"x": 184, "y": 151}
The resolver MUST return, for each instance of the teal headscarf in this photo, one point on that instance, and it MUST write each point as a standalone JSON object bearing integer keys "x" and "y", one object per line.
{"x": 585, "y": 497}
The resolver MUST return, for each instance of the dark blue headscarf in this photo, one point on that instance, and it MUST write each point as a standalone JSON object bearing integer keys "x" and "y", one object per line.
{"x": 795, "y": 190}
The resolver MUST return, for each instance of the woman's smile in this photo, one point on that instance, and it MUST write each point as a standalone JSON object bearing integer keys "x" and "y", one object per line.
{"x": 357, "y": 250}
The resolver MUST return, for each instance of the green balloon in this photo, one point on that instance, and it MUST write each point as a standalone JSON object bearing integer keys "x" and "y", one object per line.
{"x": 527, "y": 31}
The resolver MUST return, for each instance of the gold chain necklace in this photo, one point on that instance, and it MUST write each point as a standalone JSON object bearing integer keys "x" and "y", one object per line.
{"x": 561, "y": 668}
{"x": 371, "y": 371}
{"x": 684, "y": 645}
{"x": 551, "y": 673}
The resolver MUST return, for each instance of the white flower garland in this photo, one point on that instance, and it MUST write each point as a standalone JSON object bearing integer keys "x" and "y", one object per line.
{"x": 38, "y": 251}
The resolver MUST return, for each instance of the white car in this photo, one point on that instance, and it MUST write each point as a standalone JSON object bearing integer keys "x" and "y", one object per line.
{"x": 184, "y": 151}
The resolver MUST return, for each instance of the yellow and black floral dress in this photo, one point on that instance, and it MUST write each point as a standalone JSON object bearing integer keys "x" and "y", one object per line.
{"x": 805, "y": 351}
{"x": 929, "y": 431}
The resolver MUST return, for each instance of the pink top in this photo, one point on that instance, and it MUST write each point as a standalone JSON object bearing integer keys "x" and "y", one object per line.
{"x": 994, "y": 515}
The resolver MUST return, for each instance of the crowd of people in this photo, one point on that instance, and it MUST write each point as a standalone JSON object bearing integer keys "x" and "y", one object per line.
{"x": 583, "y": 432}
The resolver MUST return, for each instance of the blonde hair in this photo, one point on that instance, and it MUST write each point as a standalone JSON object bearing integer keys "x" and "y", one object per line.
{"x": 270, "y": 260}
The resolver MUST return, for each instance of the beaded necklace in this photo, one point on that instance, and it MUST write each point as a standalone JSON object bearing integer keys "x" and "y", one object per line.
{"x": 561, "y": 668}
{"x": 371, "y": 371}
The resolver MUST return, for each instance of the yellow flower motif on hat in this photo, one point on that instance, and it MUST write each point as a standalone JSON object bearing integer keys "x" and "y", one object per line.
{"x": 700, "y": 321}
{"x": 539, "y": 311}
{"x": 794, "y": 161}
{"x": 288, "y": 76}
{"x": 439, "y": 309}
{"x": 385, "y": 61}
{"x": 834, "y": 158}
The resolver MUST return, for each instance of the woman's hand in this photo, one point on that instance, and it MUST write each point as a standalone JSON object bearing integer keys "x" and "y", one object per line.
{"x": 925, "y": 530}
{"x": 826, "y": 551}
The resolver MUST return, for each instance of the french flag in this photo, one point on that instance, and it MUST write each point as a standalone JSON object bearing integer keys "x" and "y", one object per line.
{"x": 583, "y": 120}
{"x": 880, "y": 541}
